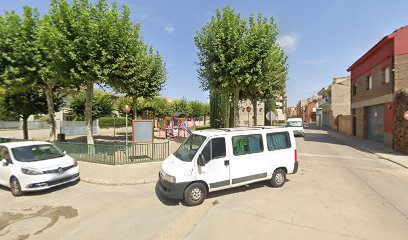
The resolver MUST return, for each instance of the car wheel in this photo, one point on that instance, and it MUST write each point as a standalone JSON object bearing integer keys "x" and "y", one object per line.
{"x": 278, "y": 178}
{"x": 15, "y": 187}
{"x": 195, "y": 194}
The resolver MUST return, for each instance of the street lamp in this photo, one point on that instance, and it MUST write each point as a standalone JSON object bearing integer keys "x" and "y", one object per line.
{"x": 126, "y": 109}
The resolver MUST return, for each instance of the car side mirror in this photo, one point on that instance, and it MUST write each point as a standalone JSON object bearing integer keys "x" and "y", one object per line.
{"x": 64, "y": 152}
{"x": 4, "y": 162}
{"x": 200, "y": 160}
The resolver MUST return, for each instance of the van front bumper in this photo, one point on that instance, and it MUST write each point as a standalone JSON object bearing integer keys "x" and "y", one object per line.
{"x": 172, "y": 190}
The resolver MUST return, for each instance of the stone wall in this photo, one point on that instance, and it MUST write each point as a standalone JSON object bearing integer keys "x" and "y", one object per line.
{"x": 400, "y": 124}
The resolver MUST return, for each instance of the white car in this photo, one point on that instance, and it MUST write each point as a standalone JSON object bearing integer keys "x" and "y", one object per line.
{"x": 34, "y": 165}
{"x": 296, "y": 124}
{"x": 216, "y": 159}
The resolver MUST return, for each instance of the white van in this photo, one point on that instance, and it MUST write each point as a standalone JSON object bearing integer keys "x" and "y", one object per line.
{"x": 34, "y": 165}
{"x": 296, "y": 124}
{"x": 216, "y": 159}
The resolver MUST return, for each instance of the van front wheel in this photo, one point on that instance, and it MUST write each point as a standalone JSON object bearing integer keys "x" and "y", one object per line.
{"x": 15, "y": 187}
{"x": 278, "y": 178}
{"x": 195, "y": 194}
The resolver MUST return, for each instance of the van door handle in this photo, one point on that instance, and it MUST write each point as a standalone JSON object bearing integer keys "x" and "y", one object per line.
{"x": 226, "y": 162}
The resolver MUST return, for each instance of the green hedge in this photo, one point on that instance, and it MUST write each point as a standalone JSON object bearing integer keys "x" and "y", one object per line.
{"x": 107, "y": 122}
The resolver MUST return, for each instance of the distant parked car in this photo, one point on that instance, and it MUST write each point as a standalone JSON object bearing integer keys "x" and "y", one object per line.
{"x": 296, "y": 124}
{"x": 34, "y": 165}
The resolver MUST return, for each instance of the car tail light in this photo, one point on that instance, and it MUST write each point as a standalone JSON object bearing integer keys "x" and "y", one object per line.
{"x": 296, "y": 156}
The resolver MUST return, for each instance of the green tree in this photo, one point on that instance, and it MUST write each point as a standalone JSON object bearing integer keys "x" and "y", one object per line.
{"x": 161, "y": 106}
{"x": 219, "y": 109}
{"x": 143, "y": 74}
{"x": 267, "y": 66}
{"x": 49, "y": 43}
{"x": 97, "y": 36}
{"x": 102, "y": 105}
{"x": 181, "y": 105}
{"x": 197, "y": 108}
{"x": 26, "y": 103}
{"x": 222, "y": 56}
{"x": 5, "y": 115}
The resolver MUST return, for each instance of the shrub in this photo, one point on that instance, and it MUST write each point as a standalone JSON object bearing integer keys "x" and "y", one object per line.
{"x": 107, "y": 122}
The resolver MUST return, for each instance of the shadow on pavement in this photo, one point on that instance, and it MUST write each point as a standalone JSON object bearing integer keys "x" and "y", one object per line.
{"x": 320, "y": 137}
{"x": 171, "y": 202}
{"x": 46, "y": 191}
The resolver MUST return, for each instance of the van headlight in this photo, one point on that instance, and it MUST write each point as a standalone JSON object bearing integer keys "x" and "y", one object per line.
{"x": 170, "y": 178}
{"x": 31, "y": 171}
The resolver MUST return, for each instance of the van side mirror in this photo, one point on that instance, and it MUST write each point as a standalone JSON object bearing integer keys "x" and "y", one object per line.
{"x": 200, "y": 160}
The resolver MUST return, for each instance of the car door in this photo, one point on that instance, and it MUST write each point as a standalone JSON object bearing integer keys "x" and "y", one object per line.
{"x": 5, "y": 169}
{"x": 216, "y": 171}
{"x": 247, "y": 160}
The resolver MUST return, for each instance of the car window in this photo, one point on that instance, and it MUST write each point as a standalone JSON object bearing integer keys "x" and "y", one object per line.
{"x": 214, "y": 149}
{"x": 189, "y": 147}
{"x": 278, "y": 141}
{"x": 36, "y": 152}
{"x": 247, "y": 144}
{"x": 4, "y": 153}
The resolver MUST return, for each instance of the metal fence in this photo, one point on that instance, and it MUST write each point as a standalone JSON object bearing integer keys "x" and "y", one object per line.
{"x": 112, "y": 154}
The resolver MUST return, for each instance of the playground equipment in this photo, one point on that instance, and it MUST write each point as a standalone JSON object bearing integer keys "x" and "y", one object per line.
{"x": 175, "y": 126}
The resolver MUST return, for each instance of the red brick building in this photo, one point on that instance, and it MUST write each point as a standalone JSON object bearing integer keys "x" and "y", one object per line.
{"x": 375, "y": 78}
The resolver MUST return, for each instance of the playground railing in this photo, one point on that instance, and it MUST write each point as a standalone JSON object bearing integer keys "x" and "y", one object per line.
{"x": 112, "y": 154}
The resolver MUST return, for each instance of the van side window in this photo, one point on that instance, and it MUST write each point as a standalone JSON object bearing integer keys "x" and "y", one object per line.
{"x": 278, "y": 140}
{"x": 247, "y": 144}
{"x": 214, "y": 149}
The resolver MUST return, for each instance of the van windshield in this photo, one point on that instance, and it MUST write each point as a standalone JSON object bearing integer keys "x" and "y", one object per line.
{"x": 35, "y": 153}
{"x": 189, "y": 147}
{"x": 294, "y": 124}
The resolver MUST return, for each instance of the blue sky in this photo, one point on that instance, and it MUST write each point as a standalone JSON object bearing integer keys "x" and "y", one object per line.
{"x": 321, "y": 38}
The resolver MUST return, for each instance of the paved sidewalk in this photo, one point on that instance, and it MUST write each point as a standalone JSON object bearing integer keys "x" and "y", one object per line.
{"x": 378, "y": 149}
{"x": 129, "y": 174}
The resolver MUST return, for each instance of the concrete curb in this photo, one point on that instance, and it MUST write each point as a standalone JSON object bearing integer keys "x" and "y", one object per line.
{"x": 113, "y": 184}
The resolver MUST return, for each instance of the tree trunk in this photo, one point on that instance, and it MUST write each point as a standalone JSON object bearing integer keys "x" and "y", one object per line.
{"x": 48, "y": 90}
{"x": 88, "y": 113}
{"x": 255, "y": 108}
{"x": 134, "y": 105}
{"x": 236, "y": 108}
{"x": 25, "y": 127}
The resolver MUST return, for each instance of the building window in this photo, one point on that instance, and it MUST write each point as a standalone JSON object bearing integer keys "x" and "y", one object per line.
{"x": 387, "y": 73}
{"x": 354, "y": 88}
{"x": 369, "y": 82}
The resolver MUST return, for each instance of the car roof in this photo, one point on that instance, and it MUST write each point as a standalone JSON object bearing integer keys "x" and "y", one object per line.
{"x": 23, "y": 143}
{"x": 244, "y": 130}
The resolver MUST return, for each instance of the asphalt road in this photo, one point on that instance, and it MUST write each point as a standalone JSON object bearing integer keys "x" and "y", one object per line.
{"x": 339, "y": 193}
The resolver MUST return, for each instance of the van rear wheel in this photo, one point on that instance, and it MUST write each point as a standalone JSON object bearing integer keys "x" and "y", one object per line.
{"x": 278, "y": 178}
{"x": 195, "y": 194}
